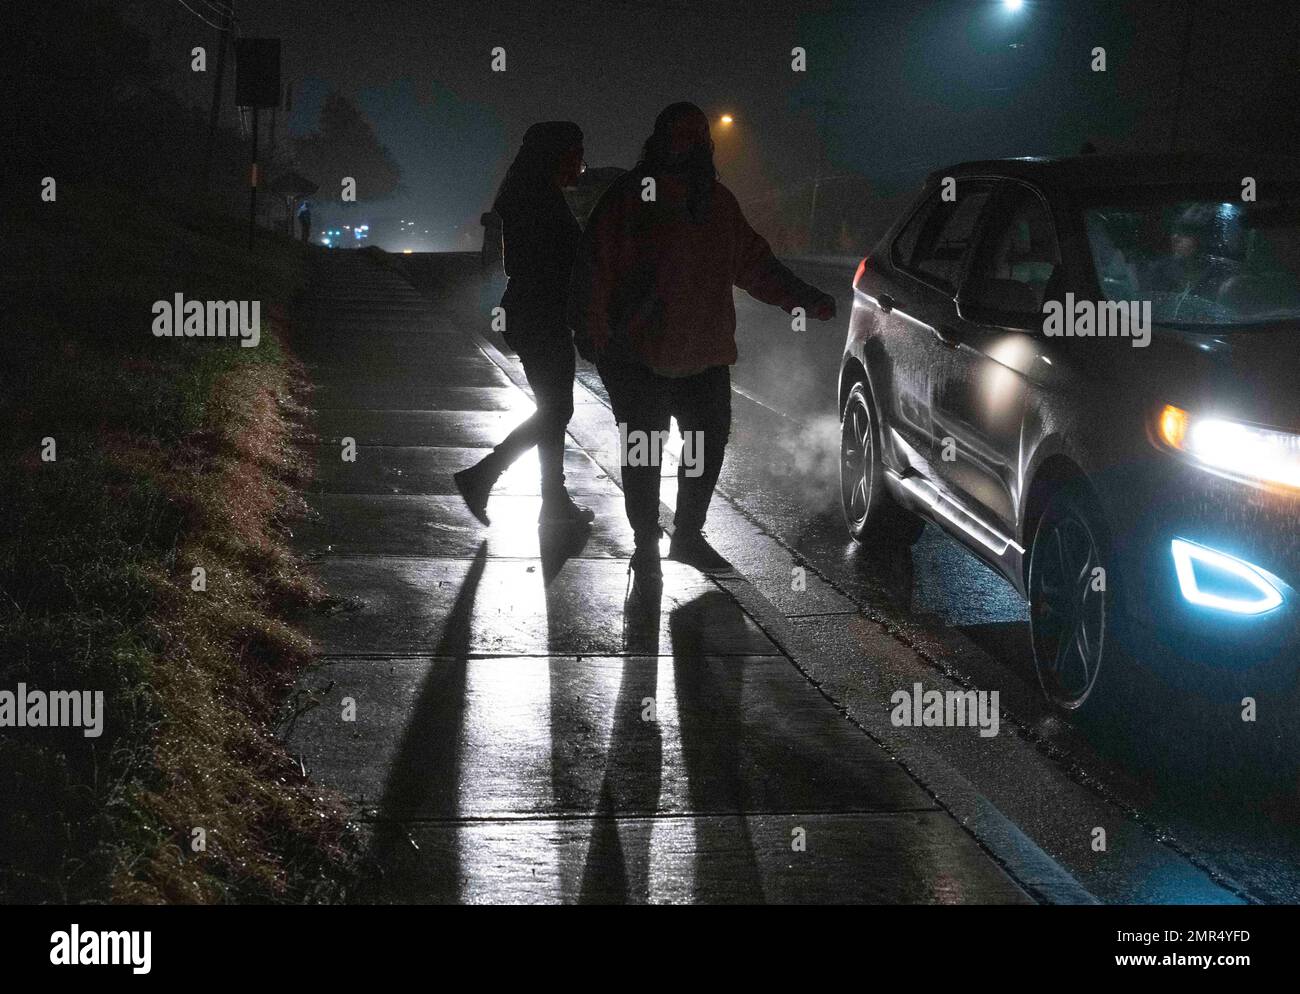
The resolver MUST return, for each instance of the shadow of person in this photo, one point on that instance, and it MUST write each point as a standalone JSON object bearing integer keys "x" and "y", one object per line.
{"x": 709, "y": 690}
{"x": 424, "y": 778}
{"x": 617, "y": 868}
{"x": 566, "y": 686}
{"x": 557, "y": 544}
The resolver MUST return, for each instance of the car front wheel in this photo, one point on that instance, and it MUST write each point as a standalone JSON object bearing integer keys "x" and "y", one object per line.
{"x": 869, "y": 512}
{"x": 1070, "y": 600}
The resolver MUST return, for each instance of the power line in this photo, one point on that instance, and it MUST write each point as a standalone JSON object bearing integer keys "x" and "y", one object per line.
{"x": 200, "y": 16}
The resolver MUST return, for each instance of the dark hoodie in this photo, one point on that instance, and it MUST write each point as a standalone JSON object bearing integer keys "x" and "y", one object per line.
{"x": 539, "y": 237}
{"x": 539, "y": 240}
{"x": 652, "y": 284}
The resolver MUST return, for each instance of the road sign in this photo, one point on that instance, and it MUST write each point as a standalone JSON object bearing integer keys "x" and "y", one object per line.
{"x": 257, "y": 72}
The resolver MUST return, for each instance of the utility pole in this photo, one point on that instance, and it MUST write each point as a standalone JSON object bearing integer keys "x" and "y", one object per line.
{"x": 253, "y": 179}
{"x": 257, "y": 85}
{"x": 270, "y": 142}
{"x": 817, "y": 180}
{"x": 823, "y": 138}
{"x": 226, "y": 20}
{"x": 1183, "y": 70}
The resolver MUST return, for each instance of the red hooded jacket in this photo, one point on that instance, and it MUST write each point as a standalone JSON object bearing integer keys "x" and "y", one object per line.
{"x": 653, "y": 285}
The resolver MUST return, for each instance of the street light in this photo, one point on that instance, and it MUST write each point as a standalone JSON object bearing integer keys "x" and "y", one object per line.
{"x": 1013, "y": 5}
{"x": 727, "y": 119}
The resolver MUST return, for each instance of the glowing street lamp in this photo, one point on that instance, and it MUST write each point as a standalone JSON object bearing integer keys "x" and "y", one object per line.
{"x": 1013, "y": 6}
{"x": 726, "y": 120}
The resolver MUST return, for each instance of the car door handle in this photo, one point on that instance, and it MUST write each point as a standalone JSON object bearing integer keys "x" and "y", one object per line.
{"x": 946, "y": 335}
{"x": 886, "y": 302}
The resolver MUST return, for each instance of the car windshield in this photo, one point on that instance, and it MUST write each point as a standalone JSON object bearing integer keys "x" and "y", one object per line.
{"x": 1203, "y": 257}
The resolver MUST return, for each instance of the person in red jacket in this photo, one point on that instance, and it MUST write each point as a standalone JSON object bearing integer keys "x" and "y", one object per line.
{"x": 650, "y": 303}
{"x": 539, "y": 238}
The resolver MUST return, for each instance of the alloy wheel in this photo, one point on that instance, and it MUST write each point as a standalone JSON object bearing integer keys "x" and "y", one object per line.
{"x": 856, "y": 457}
{"x": 1068, "y": 607}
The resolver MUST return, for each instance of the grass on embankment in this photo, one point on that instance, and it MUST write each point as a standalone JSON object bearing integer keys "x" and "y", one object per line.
{"x": 171, "y": 453}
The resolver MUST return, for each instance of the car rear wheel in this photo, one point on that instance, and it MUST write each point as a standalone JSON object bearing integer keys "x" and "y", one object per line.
{"x": 869, "y": 512}
{"x": 1070, "y": 600}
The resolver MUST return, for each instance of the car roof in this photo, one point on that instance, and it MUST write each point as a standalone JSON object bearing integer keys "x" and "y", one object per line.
{"x": 1092, "y": 171}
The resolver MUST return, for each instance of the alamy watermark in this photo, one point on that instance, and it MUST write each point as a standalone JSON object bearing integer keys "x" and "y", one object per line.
{"x": 181, "y": 318}
{"x": 920, "y": 708}
{"x": 645, "y": 448}
{"x": 25, "y": 708}
{"x": 1098, "y": 319}
{"x": 101, "y": 948}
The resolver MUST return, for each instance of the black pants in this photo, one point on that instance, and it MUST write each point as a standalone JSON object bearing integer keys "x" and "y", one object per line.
{"x": 550, "y": 376}
{"x": 644, "y": 402}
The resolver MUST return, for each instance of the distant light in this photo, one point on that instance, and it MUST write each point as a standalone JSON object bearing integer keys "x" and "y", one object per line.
{"x": 1013, "y": 5}
{"x": 727, "y": 118}
{"x": 406, "y": 251}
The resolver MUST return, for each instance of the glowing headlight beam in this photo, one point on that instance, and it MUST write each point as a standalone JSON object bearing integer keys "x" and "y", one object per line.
{"x": 1232, "y": 447}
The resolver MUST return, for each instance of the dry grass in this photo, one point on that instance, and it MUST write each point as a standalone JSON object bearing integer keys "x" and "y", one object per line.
{"x": 228, "y": 658}
{"x": 172, "y": 454}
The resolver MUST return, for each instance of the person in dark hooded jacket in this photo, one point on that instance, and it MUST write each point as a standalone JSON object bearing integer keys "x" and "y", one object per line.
{"x": 651, "y": 304}
{"x": 539, "y": 239}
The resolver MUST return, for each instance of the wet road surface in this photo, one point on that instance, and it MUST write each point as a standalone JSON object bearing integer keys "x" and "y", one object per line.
{"x": 1171, "y": 769}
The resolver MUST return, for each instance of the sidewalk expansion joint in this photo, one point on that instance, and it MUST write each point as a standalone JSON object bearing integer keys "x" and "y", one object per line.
{"x": 369, "y": 819}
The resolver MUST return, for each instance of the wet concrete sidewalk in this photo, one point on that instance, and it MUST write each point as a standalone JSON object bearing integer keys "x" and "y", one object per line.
{"x": 505, "y": 725}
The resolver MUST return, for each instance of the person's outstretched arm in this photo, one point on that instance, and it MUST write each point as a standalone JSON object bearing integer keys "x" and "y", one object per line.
{"x": 760, "y": 274}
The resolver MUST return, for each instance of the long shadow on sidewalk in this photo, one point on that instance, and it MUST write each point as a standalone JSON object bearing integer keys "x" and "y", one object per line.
{"x": 619, "y": 858}
{"x": 708, "y": 699}
{"x": 617, "y": 868}
{"x": 425, "y": 775}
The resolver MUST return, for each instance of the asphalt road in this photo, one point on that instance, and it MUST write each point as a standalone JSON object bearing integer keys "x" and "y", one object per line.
{"x": 1225, "y": 811}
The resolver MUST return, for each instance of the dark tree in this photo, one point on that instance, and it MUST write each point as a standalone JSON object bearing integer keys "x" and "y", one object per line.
{"x": 346, "y": 145}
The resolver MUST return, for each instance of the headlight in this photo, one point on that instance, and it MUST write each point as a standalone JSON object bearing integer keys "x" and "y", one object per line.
{"x": 1240, "y": 450}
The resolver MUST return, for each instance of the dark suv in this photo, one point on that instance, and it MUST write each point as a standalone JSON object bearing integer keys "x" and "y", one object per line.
{"x": 1088, "y": 372}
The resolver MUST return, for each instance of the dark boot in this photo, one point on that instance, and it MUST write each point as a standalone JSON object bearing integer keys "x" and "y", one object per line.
{"x": 558, "y": 508}
{"x": 645, "y": 567}
{"x": 645, "y": 558}
{"x": 693, "y": 549}
{"x": 475, "y": 484}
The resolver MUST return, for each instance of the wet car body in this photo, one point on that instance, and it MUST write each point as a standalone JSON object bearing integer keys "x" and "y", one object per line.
{"x": 981, "y": 417}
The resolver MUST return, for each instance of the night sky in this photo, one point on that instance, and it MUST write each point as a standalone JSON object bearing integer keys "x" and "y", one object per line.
{"x": 914, "y": 85}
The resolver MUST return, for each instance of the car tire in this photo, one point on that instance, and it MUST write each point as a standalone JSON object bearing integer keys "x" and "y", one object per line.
{"x": 1072, "y": 607}
{"x": 870, "y": 513}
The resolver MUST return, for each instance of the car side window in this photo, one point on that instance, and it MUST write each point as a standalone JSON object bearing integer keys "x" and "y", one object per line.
{"x": 1016, "y": 259}
{"x": 934, "y": 244}
{"x": 905, "y": 244}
